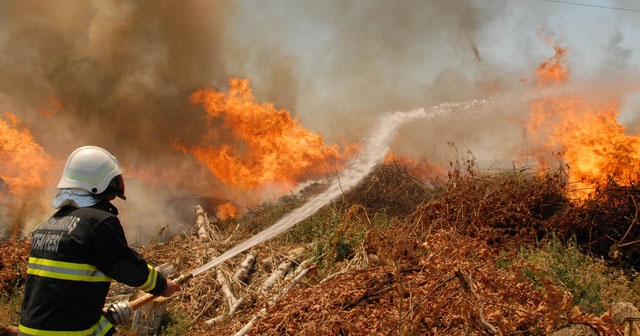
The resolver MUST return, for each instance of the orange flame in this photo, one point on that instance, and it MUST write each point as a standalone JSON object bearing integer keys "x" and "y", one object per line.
{"x": 554, "y": 69}
{"x": 262, "y": 144}
{"x": 23, "y": 163}
{"x": 24, "y": 168}
{"x": 227, "y": 210}
{"x": 420, "y": 169}
{"x": 585, "y": 132}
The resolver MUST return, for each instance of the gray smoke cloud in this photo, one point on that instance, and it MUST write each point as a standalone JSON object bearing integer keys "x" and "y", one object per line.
{"x": 123, "y": 71}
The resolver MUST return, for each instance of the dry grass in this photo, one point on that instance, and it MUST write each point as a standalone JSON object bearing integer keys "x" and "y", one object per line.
{"x": 395, "y": 257}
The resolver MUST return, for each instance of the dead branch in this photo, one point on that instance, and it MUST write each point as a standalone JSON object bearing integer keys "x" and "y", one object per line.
{"x": 635, "y": 220}
{"x": 467, "y": 284}
{"x": 226, "y": 288}
{"x": 203, "y": 226}
{"x": 233, "y": 302}
{"x": 245, "y": 268}
{"x": 276, "y": 276}
{"x": 300, "y": 272}
{"x": 282, "y": 269}
{"x": 250, "y": 324}
{"x": 295, "y": 278}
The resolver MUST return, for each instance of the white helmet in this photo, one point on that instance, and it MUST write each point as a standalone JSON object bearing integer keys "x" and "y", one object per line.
{"x": 95, "y": 170}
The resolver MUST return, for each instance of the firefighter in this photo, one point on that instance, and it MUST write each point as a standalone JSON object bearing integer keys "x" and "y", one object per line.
{"x": 77, "y": 252}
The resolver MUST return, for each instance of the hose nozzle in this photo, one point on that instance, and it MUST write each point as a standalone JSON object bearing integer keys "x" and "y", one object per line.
{"x": 183, "y": 278}
{"x": 119, "y": 313}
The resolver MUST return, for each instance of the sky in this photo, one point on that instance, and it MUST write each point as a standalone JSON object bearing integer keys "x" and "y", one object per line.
{"x": 119, "y": 74}
{"x": 349, "y": 61}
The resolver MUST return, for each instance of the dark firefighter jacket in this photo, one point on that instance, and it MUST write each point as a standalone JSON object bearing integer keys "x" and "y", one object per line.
{"x": 74, "y": 256}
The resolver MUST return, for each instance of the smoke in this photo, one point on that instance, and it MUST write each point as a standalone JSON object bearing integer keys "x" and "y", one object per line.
{"x": 122, "y": 70}
{"x": 359, "y": 59}
{"x": 118, "y": 74}
{"x": 630, "y": 113}
{"x": 372, "y": 57}
{"x": 122, "y": 73}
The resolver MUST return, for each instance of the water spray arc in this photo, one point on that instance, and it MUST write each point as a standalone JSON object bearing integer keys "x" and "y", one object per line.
{"x": 375, "y": 150}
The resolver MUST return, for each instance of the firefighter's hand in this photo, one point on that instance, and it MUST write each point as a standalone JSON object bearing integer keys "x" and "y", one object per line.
{"x": 172, "y": 287}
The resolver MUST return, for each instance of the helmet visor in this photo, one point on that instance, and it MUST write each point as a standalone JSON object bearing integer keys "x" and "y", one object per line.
{"x": 115, "y": 188}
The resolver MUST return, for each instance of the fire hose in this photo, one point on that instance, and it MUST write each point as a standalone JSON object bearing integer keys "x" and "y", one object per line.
{"x": 121, "y": 312}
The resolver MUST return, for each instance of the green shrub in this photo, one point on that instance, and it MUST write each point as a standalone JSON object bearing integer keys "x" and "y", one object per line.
{"x": 175, "y": 323}
{"x": 593, "y": 284}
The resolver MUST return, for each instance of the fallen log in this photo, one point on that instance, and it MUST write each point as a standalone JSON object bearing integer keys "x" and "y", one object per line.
{"x": 225, "y": 287}
{"x": 202, "y": 226}
{"x": 249, "y": 325}
{"x": 246, "y": 267}
{"x": 300, "y": 273}
{"x": 232, "y": 301}
{"x": 147, "y": 319}
{"x": 295, "y": 278}
{"x": 282, "y": 269}
{"x": 276, "y": 276}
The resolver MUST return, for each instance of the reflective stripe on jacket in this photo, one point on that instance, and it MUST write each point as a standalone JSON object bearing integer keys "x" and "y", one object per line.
{"x": 103, "y": 327}
{"x": 74, "y": 257}
{"x": 65, "y": 270}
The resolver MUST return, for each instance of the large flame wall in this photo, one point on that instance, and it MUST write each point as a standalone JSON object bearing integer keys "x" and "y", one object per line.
{"x": 239, "y": 101}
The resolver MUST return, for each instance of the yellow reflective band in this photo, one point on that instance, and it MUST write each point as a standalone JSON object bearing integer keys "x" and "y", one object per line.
{"x": 150, "y": 284}
{"x": 99, "y": 329}
{"x": 65, "y": 270}
{"x": 85, "y": 176}
{"x": 103, "y": 327}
